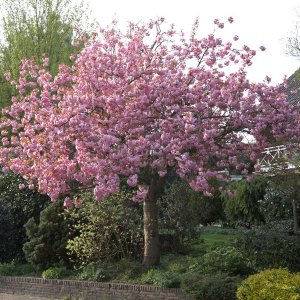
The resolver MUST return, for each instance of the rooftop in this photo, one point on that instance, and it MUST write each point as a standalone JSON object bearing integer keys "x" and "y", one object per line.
{"x": 293, "y": 88}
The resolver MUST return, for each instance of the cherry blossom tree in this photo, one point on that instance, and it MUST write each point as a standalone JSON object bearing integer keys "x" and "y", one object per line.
{"x": 138, "y": 105}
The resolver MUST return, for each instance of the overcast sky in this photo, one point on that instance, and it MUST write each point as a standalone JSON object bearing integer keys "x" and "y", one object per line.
{"x": 257, "y": 22}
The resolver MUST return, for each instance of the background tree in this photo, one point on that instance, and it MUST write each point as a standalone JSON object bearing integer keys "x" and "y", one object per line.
{"x": 208, "y": 210}
{"x": 135, "y": 108}
{"x": 7, "y": 234}
{"x": 47, "y": 238}
{"x": 284, "y": 176}
{"x": 37, "y": 28}
{"x": 17, "y": 207}
{"x": 177, "y": 218}
{"x": 288, "y": 181}
{"x": 243, "y": 207}
{"x": 293, "y": 41}
{"x": 277, "y": 203}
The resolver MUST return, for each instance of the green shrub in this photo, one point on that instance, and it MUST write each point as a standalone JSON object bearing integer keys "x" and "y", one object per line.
{"x": 161, "y": 278}
{"x": 94, "y": 273}
{"x": 56, "y": 273}
{"x": 225, "y": 259}
{"x": 176, "y": 263}
{"x": 210, "y": 287}
{"x": 270, "y": 284}
{"x": 16, "y": 270}
{"x": 47, "y": 239}
{"x": 270, "y": 248}
{"x": 107, "y": 230}
{"x": 127, "y": 270}
{"x": 178, "y": 267}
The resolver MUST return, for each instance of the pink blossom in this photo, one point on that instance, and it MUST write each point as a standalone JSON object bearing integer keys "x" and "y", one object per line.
{"x": 45, "y": 61}
{"x": 21, "y": 186}
{"x": 162, "y": 173}
{"x": 231, "y": 193}
{"x": 132, "y": 180}
{"x": 78, "y": 202}
{"x": 262, "y": 48}
{"x": 5, "y": 169}
{"x": 7, "y": 76}
{"x": 68, "y": 203}
{"x": 249, "y": 178}
{"x": 142, "y": 193}
{"x": 268, "y": 79}
{"x": 207, "y": 194}
{"x": 230, "y": 19}
{"x": 125, "y": 109}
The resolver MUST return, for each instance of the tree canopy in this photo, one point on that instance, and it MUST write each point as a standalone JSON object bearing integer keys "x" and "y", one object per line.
{"x": 35, "y": 28}
{"x": 140, "y": 104}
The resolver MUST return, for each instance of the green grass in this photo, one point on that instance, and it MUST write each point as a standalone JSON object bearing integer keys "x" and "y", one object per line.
{"x": 212, "y": 237}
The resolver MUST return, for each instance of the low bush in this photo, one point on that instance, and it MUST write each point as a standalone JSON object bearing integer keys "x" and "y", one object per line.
{"x": 277, "y": 284}
{"x": 176, "y": 263}
{"x": 210, "y": 287}
{"x": 94, "y": 273}
{"x": 16, "y": 270}
{"x": 270, "y": 248}
{"x": 225, "y": 259}
{"x": 127, "y": 270}
{"x": 56, "y": 273}
{"x": 161, "y": 278}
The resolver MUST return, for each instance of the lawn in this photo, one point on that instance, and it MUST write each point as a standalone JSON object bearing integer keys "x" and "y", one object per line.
{"x": 212, "y": 236}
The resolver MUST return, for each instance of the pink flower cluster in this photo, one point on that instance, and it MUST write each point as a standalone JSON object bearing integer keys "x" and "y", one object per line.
{"x": 128, "y": 104}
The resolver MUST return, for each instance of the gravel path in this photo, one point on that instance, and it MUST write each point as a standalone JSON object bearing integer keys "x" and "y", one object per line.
{"x": 22, "y": 297}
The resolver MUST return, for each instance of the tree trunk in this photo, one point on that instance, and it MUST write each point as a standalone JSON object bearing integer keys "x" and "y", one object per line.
{"x": 151, "y": 234}
{"x": 295, "y": 216}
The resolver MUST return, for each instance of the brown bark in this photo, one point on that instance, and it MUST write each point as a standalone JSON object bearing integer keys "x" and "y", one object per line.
{"x": 151, "y": 234}
{"x": 295, "y": 216}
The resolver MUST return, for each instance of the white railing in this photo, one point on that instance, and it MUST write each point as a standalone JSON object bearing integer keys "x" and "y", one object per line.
{"x": 275, "y": 158}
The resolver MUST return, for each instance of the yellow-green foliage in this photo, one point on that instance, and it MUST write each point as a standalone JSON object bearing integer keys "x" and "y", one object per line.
{"x": 270, "y": 284}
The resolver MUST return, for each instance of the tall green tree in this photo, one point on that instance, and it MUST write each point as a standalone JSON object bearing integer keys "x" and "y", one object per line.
{"x": 289, "y": 182}
{"x": 285, "y": 178}
{"x": 243, "y": 208}
{"x": 47, "y": 238}
{"x": 17, "y": 206}
{"x": 34, "y": 28}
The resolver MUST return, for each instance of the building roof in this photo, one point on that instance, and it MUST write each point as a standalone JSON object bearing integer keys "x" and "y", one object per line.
{"x": 293, "y": 88}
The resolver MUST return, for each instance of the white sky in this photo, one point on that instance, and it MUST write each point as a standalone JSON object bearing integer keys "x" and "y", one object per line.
{"x": 256, "y": 22}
